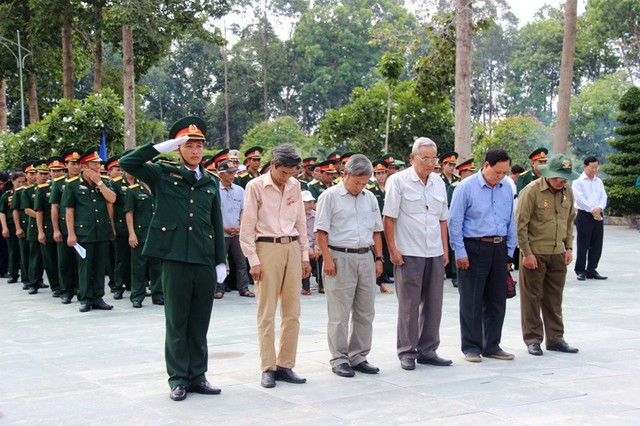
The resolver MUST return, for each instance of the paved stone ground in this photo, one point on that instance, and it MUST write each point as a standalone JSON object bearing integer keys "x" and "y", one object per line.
{"x": 59, "y": 366}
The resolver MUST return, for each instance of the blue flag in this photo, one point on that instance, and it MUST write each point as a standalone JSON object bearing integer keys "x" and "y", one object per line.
{"x": 103, "y": 146}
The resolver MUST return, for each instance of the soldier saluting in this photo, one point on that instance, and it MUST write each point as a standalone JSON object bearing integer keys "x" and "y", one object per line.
{"x": 186, "y": 233}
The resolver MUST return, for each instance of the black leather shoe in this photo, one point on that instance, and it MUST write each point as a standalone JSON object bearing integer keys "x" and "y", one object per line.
{"x": 534, "y": 349}
{"x": 268, "y": 379}
{"x": 26, "y": 286}
{"x": 386, "y": 279}
{"x": 34, "y": 290}
{"x": 101, "y": 305}
{"x": 595, "y": 276}
{"x": 42, "y": 285}
{"x": 66, "y": 300}
{"x": 178, "y": 393}
{"x": 12, "y": 281}
{"x": 159, "y": 301}
{"x": 85, "y": 308}
{"x": 366, "y": 368}
{"x": 408, "y": 364}
{"x": 343, "y": 370}
{"x": 287, "y": 375}
{"x": 563, "y": 347}
{"x": 205, "y": 388}
{"x": 137, "y": 304}
{"x": 56, "y": 293}
{"x": 581, "y": 276}
{"x": 436, "y": 360}
{"x": 117, "y": 295}
{"x": 499, "y": 354}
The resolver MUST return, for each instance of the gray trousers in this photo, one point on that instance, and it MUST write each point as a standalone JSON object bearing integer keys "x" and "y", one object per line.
{"x": 419, "y": 285}
{"x": 350, "y": 293}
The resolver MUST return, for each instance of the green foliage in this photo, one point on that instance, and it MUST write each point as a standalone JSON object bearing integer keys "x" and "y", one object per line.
{"x": 519, "y": 135}
{"x": 390, "y": 68}
{"x": 360, "y": 125}
{"x": 271, "y": 134}
{"x": 624, "y": 168}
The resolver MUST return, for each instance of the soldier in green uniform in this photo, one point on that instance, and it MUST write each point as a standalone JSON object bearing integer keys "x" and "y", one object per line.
{"x": 376, "y": 186}
{"x": 36, "y": 263}
{"x": 538, "y": 158}
{"x": 306, "y": 176}
{"x": 448, "y": 165}
{"x": 390, "y": 160}
{"x": 44, "y": 226}
{"x": 85, "y": 198}
{"x": 9, "y": 227}
{"x": 121, "y": 249}
{"x": 344, "y": 157}
{"x": 253, "y": 157}
{"x": 67, "y": 263}
{"x": 328, "y": 173}
{"x": 139, "y": 207}
{"x": 186, "y": 233}
{"x": 20, "y": 220}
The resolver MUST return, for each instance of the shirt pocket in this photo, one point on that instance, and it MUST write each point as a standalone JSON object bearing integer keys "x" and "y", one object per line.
{"x": 436, "y": 205}
{"x": 545, "y": 210}
{"x": 291, "y": 204}
{"x": 412, "y": 203}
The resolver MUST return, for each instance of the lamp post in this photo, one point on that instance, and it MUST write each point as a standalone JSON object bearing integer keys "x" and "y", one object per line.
{"x": 20, "y": 60}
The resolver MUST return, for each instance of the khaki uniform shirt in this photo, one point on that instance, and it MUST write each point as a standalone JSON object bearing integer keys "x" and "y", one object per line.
{"x": 545, "y": 219}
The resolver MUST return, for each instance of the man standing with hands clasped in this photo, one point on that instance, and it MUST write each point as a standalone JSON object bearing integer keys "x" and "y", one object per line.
{"x": 545, "y": 236}
{"x": 347, "y": 225}
{"x": 186, "y": 233}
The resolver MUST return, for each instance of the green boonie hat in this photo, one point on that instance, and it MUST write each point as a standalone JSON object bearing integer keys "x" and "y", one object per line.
{"x": 559, "y": 166}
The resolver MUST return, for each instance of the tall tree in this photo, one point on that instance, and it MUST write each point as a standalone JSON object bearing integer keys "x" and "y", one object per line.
{"x": 3, "y": 105}
{"x": 67, "y": 52}
{"x": 129, "y": 88}
{"x": 390, "y": 68}
{"x": 464, "y": 35}
{"x": 566, "y": 78}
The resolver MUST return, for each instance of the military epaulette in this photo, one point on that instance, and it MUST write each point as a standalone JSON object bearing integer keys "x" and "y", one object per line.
{"x": 135, "y": 185}
{"x": 525, "y": 173}
{"x": 243, "y": 175}
{"x": 212, "y": 173}
{"x": 456, "y": 176}
{"x": 29, "y": 186}
{"x": 18, "y": 189}
{"x": 456, "y": 183}
{"x": 171, "y": 163}
{"x": 337, "y": 180}
{"x": 59, "y": 178}
{"x": 371, "y": 186}
{"x": 43, "y": 185}
{"x": 313, "y": 182}
{"x": 72, "y": 179}
{"x": 117, "y": 179}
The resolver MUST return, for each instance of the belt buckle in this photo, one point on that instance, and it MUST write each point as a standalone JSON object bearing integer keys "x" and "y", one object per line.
{"x": 283, "y": 240}
{"x": 497, "y": 240}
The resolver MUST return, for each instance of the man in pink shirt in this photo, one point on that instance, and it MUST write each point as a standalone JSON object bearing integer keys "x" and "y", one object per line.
{"x": 273, "y": 237}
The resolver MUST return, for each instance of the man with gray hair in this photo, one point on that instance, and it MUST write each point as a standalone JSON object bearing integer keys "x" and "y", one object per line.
{"x": 347, "y": 226}
{"x": 273, "y": 237}
{"x": 415, "y": 226}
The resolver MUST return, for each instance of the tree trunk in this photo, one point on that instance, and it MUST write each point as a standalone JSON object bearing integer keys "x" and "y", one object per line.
{"x": 67, "y": 54}
{"x": 265, "y": 53}
{"x": 463, "y": 79}
{"x": 3, "y": 105}
{"x": 129, "y": 89}
{"x": 566, "y": 78}
{"x": 32, "y": 94}
{"x": 97, "y": 52}
{"x": 227, "y": 138}
{"x": 625, "y": 60}
{"x": 386, "y": 132}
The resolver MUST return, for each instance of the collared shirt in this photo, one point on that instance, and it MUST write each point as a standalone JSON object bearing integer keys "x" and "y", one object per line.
{"x": 479, "y": 210}
{"x": 589, "y": 193}
{"x": 231, "y": 203}
{"x": 545, "y": 219}
{"x": 349, "y": 220}
{"x": 418, "y": 210}
{"x": 271, "y": 213}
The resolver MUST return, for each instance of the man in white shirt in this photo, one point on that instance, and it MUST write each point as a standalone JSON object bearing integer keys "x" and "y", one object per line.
{"x": 590, "y": 200}
{"x": 415, "y": 227}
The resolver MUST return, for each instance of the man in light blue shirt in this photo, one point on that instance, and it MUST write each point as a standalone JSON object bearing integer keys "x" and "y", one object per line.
{"x": 482, "y": 234}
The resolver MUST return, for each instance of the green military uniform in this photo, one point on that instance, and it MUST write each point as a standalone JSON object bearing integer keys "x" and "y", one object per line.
{"x": 530, "y": 175}
{"x": 316, "y": 187}
{"x": 13, "y": 247}
{"x": 450, "y": 157}
{"x": 67, "y": 262}
{"x": 186, "y": 233}
{"x": 121, "y": 248}
{"x": 304, "y": 179}
{"x": 140, "y": 202}
{"x": 243, "y": 178}
{"x": 16, "y": 205}
{"x": 36, "y": 264}
{"x": 92, "y": 226}
{"x": 48, "y": 249}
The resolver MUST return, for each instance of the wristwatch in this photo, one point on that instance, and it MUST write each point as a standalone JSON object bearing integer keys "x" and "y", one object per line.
{"x": 379, "y": 258}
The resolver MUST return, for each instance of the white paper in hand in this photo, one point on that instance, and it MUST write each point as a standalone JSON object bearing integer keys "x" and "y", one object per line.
{"x": 81, "y": 250}
{"x": 221, "y": 273}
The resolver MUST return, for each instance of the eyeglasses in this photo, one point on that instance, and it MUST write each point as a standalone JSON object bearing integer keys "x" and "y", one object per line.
{"x": 428, "y": 160}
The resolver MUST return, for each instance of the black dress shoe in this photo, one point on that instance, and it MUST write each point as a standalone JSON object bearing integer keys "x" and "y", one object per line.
{"x": 12, "y": 281}
{"x": 386, "y": 279}
{"x": 408, "y": 364}
{"x": 66, "y": 300}
{"x": 101, "y": 305}
{"x": 343, "y": 370}
{"x": 85, "y": 307}
{"x": 595, "y": 276}
{"x": 26, "y": 286}
{"x": 534, "y": 349}
{"x": 159, "y": 301}
{"x": 178, "y": 393}
{"x": 435, "y": 360}
{"x": 287, "y": 375}
{"x": 205, "y": 388}
{"x": 56, "y": 293}
{"x": 117, "y": 295}
{"x": 366, "y": 368}
{"x": 42, "y": 285}
{"x": 581, "y": 276}
{"x": 34, "y": 290}
{"x": 268, "y": 379}
{"x": 563, "y": 347}
{"x": 137, "y": 304}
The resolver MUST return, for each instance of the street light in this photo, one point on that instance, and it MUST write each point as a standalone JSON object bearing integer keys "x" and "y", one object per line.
{"x": 20, "y": 60}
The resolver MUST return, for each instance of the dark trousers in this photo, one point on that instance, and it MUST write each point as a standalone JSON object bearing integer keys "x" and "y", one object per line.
{"x": 122, "y": 264}
{"x": 590, "y": 233}
{"x": 188, "y": 300}
{"x": 13, "y": 247}
{"x": 111, "y": 266}
{"x": 24, "y": 260}
{"x": 50, "y": 260}
{"x": 4, "y": 255}
{"x": 139, "y": 265}
{"x": 483, "y": 290}
{"x": 238, "y": 262}
{"x": 36, "y": 264}
{"x": 91, "y": 272}
{"x": 68, "y": 269}
{"x": 316, "y": 265}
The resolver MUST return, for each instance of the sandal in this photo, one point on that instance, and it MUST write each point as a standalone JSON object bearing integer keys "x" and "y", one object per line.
{"x": 218, "y": 295}
{"x": 306, "y": 292}
{"x": 385, "y": 290}
{"x": 247, "y": 293}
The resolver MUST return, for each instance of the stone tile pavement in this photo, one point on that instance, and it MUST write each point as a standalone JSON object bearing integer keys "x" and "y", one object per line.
{"x": 60, "y": 366}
